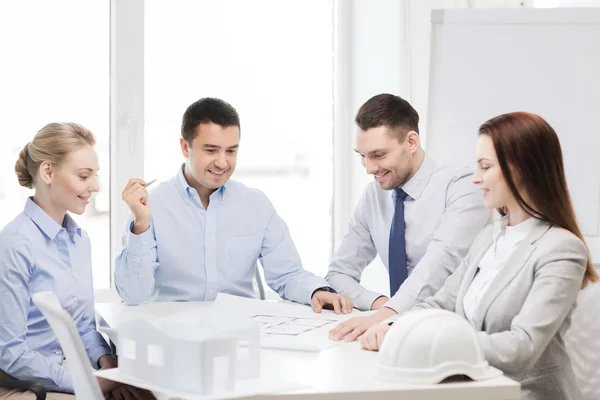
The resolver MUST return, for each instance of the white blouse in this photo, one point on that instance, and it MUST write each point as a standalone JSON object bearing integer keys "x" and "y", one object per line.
{"x": 506, "y": 239}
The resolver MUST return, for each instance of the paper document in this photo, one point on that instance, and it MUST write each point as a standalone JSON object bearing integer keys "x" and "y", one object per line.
{"x": 285, "y": 325}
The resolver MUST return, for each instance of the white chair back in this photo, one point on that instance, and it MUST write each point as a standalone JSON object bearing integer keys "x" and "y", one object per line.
{"x": 258, "y": 283}
{"x": 85, "y": 383}
{"x": 582, "y": 341}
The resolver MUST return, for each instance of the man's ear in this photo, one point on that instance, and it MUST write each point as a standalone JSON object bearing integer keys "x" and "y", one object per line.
{"x": 185, "y": 147}
{"x": 413, "y": 140}
{"x": 46, "y": 172}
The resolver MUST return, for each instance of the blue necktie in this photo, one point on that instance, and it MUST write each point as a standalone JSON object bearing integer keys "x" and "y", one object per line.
{"x": 397, "y": 250}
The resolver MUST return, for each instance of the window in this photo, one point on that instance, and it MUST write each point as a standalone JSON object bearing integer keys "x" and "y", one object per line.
{"x": 273, "y": 61}
{"x": 55, "y": 68}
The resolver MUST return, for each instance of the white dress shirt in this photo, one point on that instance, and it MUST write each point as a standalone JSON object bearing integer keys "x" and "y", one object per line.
{"x": 506, "y": 239}
{"x": 443, "y": 214}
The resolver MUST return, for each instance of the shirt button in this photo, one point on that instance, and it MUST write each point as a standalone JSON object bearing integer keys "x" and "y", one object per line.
{"x": 75, "y": 298}
{"x": 137, "y": 275}
{"x": 210, "y": 264}
{"x": 69, "y": 269}
{"x": 201, "y": 212}
{"x": 211, "y": 291}
{"x": 58, "y": 352}
{"x": 210, "y": 237}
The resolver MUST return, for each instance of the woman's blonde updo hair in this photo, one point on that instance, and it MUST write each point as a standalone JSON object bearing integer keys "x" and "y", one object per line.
{"x": 52, "y": 143}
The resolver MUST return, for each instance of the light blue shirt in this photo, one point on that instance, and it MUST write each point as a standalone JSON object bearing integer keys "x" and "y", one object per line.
{"x": 37, "y": 254}
{"x": 190, "y": 253}
{"x": 443, "y": 213}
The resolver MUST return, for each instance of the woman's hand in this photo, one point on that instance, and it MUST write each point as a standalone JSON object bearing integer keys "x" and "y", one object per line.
{"x": 372, "y": 339}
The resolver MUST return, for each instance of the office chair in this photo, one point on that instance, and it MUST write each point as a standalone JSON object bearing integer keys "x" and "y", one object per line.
{"x": 582, "y": 341}
{"x": 8, "y": 382}
{"x": 85, "y": 383}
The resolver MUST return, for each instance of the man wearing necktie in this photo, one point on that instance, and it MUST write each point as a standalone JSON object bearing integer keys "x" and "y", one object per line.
{"x": 419, "y": 216}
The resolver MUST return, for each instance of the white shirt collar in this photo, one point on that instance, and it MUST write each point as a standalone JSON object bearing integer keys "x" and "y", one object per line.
{"x": 512, "y": 234}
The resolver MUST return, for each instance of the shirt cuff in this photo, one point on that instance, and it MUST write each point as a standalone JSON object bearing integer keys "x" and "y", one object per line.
{"x": 140, "y": 245}
{"x": 365, "y": 300}
{"x": 98, "y": 352}
{"x": 311, "y": 288}
{"x": 400, "y": 302}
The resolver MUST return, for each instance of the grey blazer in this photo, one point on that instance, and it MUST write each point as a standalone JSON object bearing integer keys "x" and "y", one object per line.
{"x": 526, "y": 311}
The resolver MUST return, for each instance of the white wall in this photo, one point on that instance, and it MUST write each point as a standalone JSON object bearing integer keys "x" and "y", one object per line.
{"x": 418, "y": 48}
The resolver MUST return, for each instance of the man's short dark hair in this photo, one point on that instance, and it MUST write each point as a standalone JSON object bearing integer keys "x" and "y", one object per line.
{"x": 207, "y": 110}
{"x": 390, "y": 111}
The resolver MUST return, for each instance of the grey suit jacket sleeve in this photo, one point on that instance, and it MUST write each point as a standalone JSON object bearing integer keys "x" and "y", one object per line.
{"x": 557, "y": 280}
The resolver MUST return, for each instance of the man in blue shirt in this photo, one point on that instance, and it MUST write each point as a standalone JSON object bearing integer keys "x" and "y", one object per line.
{"x": 200, "y": 233}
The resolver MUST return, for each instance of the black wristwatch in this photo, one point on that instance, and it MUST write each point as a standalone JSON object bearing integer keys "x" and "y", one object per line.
{"x": 324, "y": 289}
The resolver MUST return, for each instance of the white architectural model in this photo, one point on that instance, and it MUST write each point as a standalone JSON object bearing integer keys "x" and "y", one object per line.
{"x": 194, "y": 356}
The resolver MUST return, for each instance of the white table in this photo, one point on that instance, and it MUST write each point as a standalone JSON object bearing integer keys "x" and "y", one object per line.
{"x": 343, "y": 372}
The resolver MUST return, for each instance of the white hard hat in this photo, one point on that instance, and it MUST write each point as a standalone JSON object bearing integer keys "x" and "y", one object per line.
{"x": 428, "y": 346}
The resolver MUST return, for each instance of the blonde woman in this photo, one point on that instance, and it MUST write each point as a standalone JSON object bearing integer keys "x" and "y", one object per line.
{"x": 44, "y": 249}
